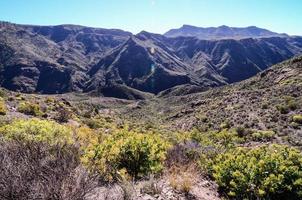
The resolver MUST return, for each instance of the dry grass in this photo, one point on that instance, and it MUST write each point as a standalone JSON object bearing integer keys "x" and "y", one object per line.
{"x": 183, "y": 178}
{"x": 128, "y": 190}
{"x": 151, "y": 187}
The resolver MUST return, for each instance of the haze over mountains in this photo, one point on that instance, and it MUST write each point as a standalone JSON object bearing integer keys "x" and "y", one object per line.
{"x": 111, "y": 62}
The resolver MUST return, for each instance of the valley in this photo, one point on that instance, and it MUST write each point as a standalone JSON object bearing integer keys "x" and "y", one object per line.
{"x": 196, "y": 113}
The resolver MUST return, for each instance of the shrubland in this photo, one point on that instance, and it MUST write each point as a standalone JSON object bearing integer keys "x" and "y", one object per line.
{"x": 77, "y": 144}
{"x": 126, "y": 153}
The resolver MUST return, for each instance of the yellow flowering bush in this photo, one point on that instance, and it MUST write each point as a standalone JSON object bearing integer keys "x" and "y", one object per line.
{"x": 125, "y": 151}
{"x": 266, "y": 172}
{"x": 220, "y": 139}
{"x": 86, "y": 137}
{"x": 260, "y": 135}
{"x": 37, "y": 130}
{"x": 30, "y": 108}
{"x": 297, "y": 119}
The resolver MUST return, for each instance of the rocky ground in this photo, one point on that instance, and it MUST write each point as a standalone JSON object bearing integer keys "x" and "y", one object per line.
{"x": 156, "y": 190}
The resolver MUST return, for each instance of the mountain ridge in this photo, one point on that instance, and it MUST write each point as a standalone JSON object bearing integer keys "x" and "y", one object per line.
{"x": 71, "y": 58}
{"x": 222, "y": 32}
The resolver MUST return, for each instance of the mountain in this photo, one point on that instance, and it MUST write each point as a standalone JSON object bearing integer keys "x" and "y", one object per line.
{"x": 52, "y": 59}
{"x": 236, "y": 60}
{"x": 221, "y": 32}
{"x": 116, "y": 63}
{"x": 147, "y": 63}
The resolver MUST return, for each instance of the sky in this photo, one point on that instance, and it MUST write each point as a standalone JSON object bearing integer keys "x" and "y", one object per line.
{"x": 157, "y": 16}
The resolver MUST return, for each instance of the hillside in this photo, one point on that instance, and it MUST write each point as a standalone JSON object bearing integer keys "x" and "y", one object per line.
{"x": 268, "y": 101}
{"x": 115, "y": 63}
{"x": 90, "y": 143}
{"x": 52, "y": 59}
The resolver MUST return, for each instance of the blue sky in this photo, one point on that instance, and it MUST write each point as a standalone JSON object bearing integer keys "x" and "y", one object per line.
{"x": 157, "y": 16}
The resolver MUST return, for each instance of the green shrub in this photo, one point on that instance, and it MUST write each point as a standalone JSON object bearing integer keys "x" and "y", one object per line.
{"x": 213, "y": 143}
{"x": 294, "y": 125}
{"x": 225, "y": 125}
{"x": 293, "y": 105}
{"x": 30, "y": 108}
{"x": 262, "y": 135}
{"x": 2, "y": 93}
{"x": 297, "y": 119}
{"x": 289, "y": 104}
{"x": 93, "y": 123}
{"x": 202, "y": 118}
{"x": 267, "y": 172}
{"x": 37, "y": 130}
{"x": 241, "y": 131}
{"x": 222, "y": 139}
{"x": 49, "y": 100}
{"x": 135, "y": 153}
{"x": 283, "y": 109}
{"x": 264, "y": 106}
{"x": 2, "y": 107}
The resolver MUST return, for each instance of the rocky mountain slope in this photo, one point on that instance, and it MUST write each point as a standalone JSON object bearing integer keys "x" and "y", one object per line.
{"x": 222, "y": 32}
{"x": 66, "y": 58}
{"x": 267, "y": 102}
{"x": 52, "y": 59}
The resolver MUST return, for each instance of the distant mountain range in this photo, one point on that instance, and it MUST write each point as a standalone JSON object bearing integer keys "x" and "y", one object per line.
{"x": 111, "y": 62}
{"x": 222, "y": 32}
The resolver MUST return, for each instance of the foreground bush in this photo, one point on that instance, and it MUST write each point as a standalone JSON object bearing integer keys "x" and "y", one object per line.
{"x": 37, "y": 130}
{"x": 134, "y": 154}
{"x": 36, "y": 170}
{"x": 267, "y": 172}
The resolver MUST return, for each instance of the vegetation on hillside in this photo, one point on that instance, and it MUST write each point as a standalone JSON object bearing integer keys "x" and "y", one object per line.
{"x": 244, "y": 137}
{"x": 266, "y": 172}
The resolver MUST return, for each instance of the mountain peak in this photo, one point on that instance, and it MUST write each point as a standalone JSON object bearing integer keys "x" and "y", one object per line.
{"x": 188, "y": 26}
{"x": 222, "y": 32}
{"x": 223, "y": 26}
{"x": 252, "y": 27}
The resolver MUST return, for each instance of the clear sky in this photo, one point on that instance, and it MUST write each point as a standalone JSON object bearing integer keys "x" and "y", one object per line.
{"x": 157, "y": 16}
